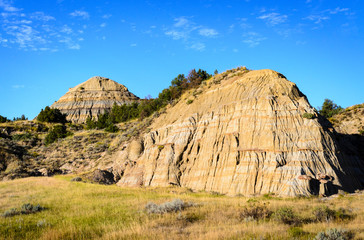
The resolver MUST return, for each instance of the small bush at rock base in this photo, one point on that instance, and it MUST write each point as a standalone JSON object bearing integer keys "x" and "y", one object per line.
{"x": 255, "y": 212}
{"x": 308, "y": 115}
{"x": 287, "y": 216}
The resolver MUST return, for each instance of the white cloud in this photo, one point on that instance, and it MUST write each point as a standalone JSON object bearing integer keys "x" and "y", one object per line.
{"x": 273, "y": 18}
{"x": 338, "y": 10}
{"x": 41, "y": 17}
{"x": 4, "y": 4}
{"x": 317, "y": 18}
{"x": 18, "y": 86}
{"x": 198, "y": 46}
{"x": 208, "y": 32}
{"x": 107, "y": 16}
{"x": 176, "y": 35}
{"x": 70, "y": 44}
{"x": 253, "y": 39}
{"x": 66, "y": 29}
{"x": 133, "y": 45}
{"x": 82, "y": 14}
{"x": 181, "y": 22}
{"x": 103, "y": 25}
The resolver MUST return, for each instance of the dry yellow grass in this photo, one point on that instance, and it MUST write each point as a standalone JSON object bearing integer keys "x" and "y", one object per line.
{"x": 76, "y": 210}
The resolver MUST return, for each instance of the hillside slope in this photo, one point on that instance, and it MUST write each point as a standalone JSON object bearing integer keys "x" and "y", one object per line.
{"x": 242, "y": 133}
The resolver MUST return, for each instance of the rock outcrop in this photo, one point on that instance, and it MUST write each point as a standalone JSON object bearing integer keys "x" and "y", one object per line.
{"x": 93, "y": 97}
{"x": 241, "y": 133}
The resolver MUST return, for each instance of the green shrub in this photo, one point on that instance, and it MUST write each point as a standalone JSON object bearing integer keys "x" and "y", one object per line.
{"x": 20, "y": 137}
{"x": 58, "y": 131}
{"x": 189, "y": 101}
{"x": 51, "y": 115}
{"x": 287, "y": 216}
{"x": 334, "y": 234}
{"x": 160, "y": 147}
{"x": 255, "y": 212}
{"x": 323, "y": 214}
{"x": 26, "y": 208}
{"x": 308, "y": 115}
{"x": 296, "y": 232}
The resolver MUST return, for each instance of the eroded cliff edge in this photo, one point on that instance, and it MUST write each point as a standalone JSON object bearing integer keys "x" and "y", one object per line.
{"x": 246, "y": 135}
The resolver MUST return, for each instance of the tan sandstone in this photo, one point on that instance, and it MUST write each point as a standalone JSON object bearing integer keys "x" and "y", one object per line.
{"x": 246, "y": 135}
{"x": 93, "y": 97}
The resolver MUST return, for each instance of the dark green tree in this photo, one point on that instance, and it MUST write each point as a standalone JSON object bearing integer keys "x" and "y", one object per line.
{"x": 51, "y": 115}
{"x": 329, "y": 108}
{"x": 3, "y": 119}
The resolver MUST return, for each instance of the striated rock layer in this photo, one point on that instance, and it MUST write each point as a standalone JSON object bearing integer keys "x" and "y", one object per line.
{"x": 246, "y": 135}
{"x": 93, "y": 97}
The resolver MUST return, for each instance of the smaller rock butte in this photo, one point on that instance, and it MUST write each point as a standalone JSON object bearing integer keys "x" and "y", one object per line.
{"x": 92, "y": 98}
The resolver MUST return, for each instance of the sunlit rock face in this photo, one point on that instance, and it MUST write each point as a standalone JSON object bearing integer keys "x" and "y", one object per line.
{"x": 248, "y": 135}
{"x": 93, "y": 97}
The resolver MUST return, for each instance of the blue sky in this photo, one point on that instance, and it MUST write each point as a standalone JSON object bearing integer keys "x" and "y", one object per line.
{"x": 48, "y": 46}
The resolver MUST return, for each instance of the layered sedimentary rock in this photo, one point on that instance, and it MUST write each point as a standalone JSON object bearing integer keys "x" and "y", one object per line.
{"x": 93, "y": 97}
{"x": 244, "y": 133}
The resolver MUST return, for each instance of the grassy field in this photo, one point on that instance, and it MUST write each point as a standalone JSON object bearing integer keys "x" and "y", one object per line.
{"x": 77, "y": 210}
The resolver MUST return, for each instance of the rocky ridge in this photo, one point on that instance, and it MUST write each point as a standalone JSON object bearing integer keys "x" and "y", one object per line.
{"x": 93, "y": 97}
{"x": 242, "y": 133}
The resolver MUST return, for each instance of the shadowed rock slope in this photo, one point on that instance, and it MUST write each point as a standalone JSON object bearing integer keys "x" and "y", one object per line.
{"x": 241, "y": 133}
{"x": 93, "y": 97}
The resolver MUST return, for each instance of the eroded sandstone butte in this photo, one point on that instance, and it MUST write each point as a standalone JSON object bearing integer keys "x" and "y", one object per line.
{"x": 93, "y": 97}
{"x": 244, "y": 133}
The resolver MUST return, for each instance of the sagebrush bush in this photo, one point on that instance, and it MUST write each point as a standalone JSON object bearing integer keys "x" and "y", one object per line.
{"x": 334, "y": 234}
{"x": 255, "y": 212}
{"x": 323, "y": 214}
{"x": 173, "y": 206}
{"x": 26, "y": 208}
{"x": 286, "y": 215}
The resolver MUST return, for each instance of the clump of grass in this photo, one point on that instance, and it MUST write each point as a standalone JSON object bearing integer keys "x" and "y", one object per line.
{"x": 173, "y": 206}
{"x": 286, "y": 215}
{"x": 255, "y": 212}
{"x": 334, "y": 234}
{"x": 26, "y": 208}
{"x": 308, "y": 115}
{"x": 296, "y": 232}
{"x": 189, "y": 101}
{"x": 325, "y": 214}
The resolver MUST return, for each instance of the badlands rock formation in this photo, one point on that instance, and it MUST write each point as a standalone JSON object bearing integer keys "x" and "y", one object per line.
{"x": 93, "y": 97}
{"x": 244, "y": 133}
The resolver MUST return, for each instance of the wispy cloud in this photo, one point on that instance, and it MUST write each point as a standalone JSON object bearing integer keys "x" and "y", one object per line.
{"x": 317, "y": 18}
{"x": 325, "y": 15}
{"x": 4, "y": 4}
{"x": 190, "y": 33}
{"x": 253, "y": 39}
{"x": 106, "y": 16}
{"x": 82, "y": 14}
{"x": 273, "y": 18}
{"x": 103, "y": 25}
{"x": 198, "y": 46}
{"x": 18, "y": 86}
{"x": 36, "y": 31}
{"x": 133, "y": 45}
{"x": 208, "y": 32}
{"x": 70, "y": 44}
